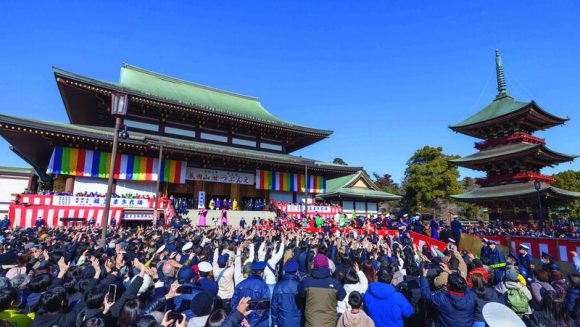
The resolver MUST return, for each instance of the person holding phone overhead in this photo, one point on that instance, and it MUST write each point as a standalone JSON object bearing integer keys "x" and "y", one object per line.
{"x": 257, "y": 290}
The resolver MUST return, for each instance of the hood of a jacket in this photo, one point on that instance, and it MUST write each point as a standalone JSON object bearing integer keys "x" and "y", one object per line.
{"x": 459, "y": 303}
{"x": 381, "y": 290}
{"x": 353, "y": 319}
{"x": 320, "y": 273}
{"x": 489, "y": 294}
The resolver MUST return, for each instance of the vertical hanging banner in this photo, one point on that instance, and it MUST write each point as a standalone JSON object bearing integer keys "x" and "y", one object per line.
{"x": 289, "y": 182}
{"x": 88, "y": 163}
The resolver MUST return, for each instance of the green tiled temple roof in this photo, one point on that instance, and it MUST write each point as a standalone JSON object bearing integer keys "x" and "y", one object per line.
{"x": 341, "y": 186}
{"x": 497, "y": 108}
{"x": 106, "y": 133}
{"x": 510, "y": 149}
{"x": 16, "y": 170}
{"x": 140, "y": 82}
{"x": 513, "y": 190}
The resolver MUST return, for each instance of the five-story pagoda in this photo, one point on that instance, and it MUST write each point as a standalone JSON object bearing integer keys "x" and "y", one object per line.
{"x": 511, "y": 156}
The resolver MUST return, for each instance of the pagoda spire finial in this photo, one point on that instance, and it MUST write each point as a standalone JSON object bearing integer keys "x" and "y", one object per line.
{"x": 501, "y": 86}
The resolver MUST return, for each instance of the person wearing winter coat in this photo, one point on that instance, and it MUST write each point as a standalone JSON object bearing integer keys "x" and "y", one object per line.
{"x": 483, "y": 295}
{"x": 385, "y": 305}
{"x": 286, "y": 311}
{"x": 321, "y": 292}
{"x": 355, "y": 317}
{"x": 539, "y": 287}
{"x": 255, "y": 288}
{"x": 354, "y": 280}
{"x": 511, "y": 282}
{"x": 573, "y": 291}
{"x": 456, "y": 307}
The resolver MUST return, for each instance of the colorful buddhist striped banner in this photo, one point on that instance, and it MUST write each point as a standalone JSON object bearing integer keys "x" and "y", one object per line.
{"x": 289, "y": 182}
{"x": 88, "y": 163}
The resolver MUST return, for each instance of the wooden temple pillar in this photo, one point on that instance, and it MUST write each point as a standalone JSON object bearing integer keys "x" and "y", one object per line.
{"x": 69, "y": 184}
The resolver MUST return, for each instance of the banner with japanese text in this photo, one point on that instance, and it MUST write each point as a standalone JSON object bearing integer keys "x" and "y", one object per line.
{"x": 219, "y": 176}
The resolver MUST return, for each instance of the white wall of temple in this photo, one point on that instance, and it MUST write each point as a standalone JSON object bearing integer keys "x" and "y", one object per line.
{"x": 9, "y": 186}
{"x": 280, "y": 196}
{"x": 99, "y": 185}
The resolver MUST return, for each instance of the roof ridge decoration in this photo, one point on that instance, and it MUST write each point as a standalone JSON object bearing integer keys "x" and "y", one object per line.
{"x": 501, "y": 84}
{"x": 179, "y": 80}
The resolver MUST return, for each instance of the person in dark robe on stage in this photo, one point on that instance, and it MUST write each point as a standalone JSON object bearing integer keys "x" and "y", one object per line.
{"x": 218, "y": 204}
{"x": 434, "y": 229}
{"x": 456, "y": 228}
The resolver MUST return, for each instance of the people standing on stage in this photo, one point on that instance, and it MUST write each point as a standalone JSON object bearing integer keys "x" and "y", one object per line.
{"x": 5, "y": 223}
{"x": 456, "y": 228}
{"x": 202, "y": 217}
{"x": 434, "y": 228}
{"x": 224, "y": 216}
{"x": 230, "y": 204}
{"x": 212, "y": 204}
{"x": 235, "y": 204}
{"x": 39, "y": 222}
{"x": 114, "y": 222}
{"x": 218, "y": 204}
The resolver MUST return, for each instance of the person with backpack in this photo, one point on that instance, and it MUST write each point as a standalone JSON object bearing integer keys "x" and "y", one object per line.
{"x": 539, "y": 287}
{"x": 513, "y": 294}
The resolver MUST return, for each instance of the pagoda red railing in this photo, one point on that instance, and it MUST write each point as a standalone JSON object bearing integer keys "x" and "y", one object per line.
{"x": 517, "y": 137}
{"x": 526, "y": 176}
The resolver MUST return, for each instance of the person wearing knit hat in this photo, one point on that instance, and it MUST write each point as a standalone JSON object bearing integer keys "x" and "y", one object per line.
{"x": 285, "y": 311}
{"x": 320, "y": 285}
{"x": 514, "y": 293}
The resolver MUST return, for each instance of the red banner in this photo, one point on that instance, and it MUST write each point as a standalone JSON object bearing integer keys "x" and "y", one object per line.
{"x": 24, "y": 216}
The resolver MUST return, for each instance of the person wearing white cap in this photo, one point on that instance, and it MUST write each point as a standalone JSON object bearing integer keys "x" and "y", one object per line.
{"x": 456, "y": 228}
{"x": 526, "y": 264}
{"x": 206, "y": 284}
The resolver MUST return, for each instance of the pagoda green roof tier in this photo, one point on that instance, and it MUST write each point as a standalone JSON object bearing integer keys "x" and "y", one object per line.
{"x": 507, "y": 109}
{"x": 31, "y": 138}
{"x": 345, "y": 187}
{"x": 516, "y": 190}
{"x": 141, "y": 83}
{"x": 539, "y": 152}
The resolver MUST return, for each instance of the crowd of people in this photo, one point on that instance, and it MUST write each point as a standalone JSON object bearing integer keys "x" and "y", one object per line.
{"x": 188, "y": 275}
{"x": 553, "y": 229}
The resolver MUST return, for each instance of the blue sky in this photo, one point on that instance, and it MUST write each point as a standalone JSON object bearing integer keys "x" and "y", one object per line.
{"x": 387, "y": 76}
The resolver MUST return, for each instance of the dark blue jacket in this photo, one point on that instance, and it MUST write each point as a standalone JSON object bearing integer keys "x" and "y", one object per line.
{"x": 208, "y": 285}
{"x": 255, "y": 288}
{"x": 4, "y": 224}
{"x": 452, "y": 310}
{"x": 386, "y": 306}
{"x": 286, "y": 303}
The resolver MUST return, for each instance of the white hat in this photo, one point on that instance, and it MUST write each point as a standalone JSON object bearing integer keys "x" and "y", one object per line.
{"x": 204, "y": 266}
{"x": 523, "y": 246}
{"x": 451, "y": 240}
{"x": 161, "y": 249}
{"x": 405, "y": 215}
{"x": 498, "y": 315}
{"x": 187, "y": 246}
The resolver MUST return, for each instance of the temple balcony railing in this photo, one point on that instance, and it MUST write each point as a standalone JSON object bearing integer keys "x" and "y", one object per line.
{"x": 516, "y": 137}
{"x": 517, "y": 177}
